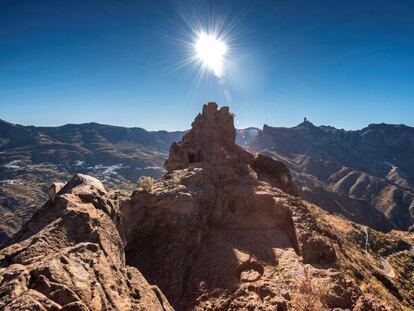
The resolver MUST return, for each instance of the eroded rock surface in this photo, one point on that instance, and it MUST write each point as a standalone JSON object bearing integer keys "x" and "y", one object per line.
{"x": 223, "y": 229}
{"x": 69, "y": 256}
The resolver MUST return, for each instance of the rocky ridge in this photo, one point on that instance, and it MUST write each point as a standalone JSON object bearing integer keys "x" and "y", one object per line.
{"x": 69, "y": 256}
{"x": 223, "y": 229}
{"x": 351, "y": 173}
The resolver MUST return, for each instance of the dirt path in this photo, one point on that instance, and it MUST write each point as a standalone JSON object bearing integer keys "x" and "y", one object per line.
{"x": 366, "y": 239}
{"x": 387, "y": 269}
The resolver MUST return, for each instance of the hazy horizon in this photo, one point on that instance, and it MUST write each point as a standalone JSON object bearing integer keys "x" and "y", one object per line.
{"x": 188, "y": 128}
{"x": 129, "y": 64}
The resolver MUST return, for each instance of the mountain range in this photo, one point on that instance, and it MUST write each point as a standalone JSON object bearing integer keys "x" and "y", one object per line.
{"x": 222, "y": 228}
{"x": 366, "y": 175}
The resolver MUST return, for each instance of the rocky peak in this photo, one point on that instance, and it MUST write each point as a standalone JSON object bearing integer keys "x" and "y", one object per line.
{"x": 218, "y": 218}
{"x": 306, "y": 124}
{"x": 211, "y": 145}
{"x": 213, "y": 125}
{"x": 211, "y": 140}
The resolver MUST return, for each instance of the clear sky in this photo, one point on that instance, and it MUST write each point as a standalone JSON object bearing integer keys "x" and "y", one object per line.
{"x": 340, "y": 63}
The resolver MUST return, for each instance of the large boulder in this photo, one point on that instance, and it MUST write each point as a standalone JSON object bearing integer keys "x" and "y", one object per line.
{"x": 69, "y": 256}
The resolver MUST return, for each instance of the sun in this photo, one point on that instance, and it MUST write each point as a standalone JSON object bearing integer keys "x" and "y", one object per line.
{"x": 211, "y": 51}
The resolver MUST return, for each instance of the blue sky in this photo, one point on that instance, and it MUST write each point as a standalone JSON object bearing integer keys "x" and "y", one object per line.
{"x": 340, "y": 63}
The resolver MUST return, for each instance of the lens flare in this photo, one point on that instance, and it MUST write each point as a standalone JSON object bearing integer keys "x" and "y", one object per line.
{"x": 210, "y": 50}
{"x": 205, "y": 47}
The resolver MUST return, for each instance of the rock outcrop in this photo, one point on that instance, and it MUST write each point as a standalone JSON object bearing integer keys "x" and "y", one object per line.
{"x": 211, "y": 143}
{"x": 224, "y": 230}
{"x": 69, "y": 256}
{"x": 54, "y": 188}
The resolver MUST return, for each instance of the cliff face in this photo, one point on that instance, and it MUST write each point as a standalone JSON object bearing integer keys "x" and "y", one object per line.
{"x": 223, "y": 230}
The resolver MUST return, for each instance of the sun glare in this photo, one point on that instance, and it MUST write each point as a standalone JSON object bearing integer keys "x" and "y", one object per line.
{"x": 210, "y": 50}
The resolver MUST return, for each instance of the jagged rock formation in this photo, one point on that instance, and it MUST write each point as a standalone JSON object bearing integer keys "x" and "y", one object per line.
{"x": 223, "y": 230}
{"x": 352, "y": 173}
{"x": 211, "y": 142}
{"x": 69, "y": 256}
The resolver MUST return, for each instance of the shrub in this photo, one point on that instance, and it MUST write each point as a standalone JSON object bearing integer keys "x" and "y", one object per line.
{"x": 308, "y": 294}
{"x": 176, "y": 180}
{"x": 146, "y": 183}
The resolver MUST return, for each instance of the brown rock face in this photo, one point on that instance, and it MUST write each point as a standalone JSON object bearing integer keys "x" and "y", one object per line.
{"x": 69, "y": 256}
{"x": 211, "y": 140}
{"x": 211, "y": 143}
{"x": 222, "y": 230}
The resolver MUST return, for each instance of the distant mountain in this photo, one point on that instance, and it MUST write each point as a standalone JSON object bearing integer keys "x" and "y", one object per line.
{"x": 30, "y": 157}
{"x": 92, "y": 143}
{"x": 222, "y": 229}
{"x": 366, "y": 175}
{"x": 246, "y": 136}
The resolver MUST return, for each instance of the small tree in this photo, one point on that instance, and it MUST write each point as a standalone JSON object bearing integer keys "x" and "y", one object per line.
{"x": 308, "y": 294}
{"x": 146, "y": 183}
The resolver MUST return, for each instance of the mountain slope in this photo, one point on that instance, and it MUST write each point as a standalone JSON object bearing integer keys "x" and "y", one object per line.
{"x": 365, "y": 175}
{"x": 352, "y": 173}
{"x": 222, "y": 229}
{"x": 32, "y": 156}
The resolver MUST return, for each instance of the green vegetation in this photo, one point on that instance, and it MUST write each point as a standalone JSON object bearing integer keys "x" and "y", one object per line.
{"x": 385, "y": 245}
{"x": 403, "y": 263}
{"x": 308, "y": 293}
{"x": 146, "y": 183}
